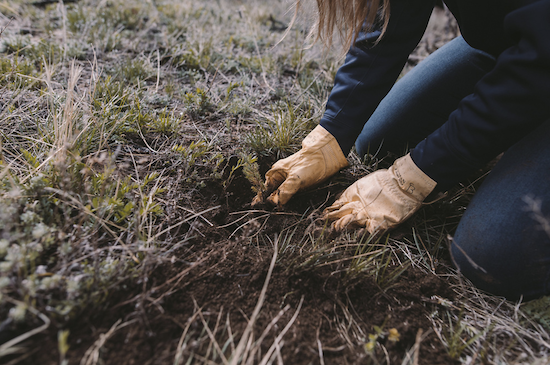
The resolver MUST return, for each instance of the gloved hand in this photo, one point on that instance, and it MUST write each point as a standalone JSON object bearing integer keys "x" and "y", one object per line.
{"x": 319, "y": 158}
{"x": 383, "y": 199}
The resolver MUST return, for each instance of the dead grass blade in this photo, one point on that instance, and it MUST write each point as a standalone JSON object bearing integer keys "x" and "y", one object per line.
{"x": 211, "y": 334}
{"x": 266, "y": 331}
{"x": 181, "y": 343}
{"x": 246, "y": 336}
{"x": 276, "y": 344}
{"x": 92, "y": 357}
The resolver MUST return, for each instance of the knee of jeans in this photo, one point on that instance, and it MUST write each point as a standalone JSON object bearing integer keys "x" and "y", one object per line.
{"x": 471, "y": 266}
{"x": 364, "y": 147}
{"x": 500, "y": 274}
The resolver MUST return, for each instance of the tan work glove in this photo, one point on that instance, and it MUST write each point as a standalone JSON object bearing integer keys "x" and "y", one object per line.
{"x": 383, "y": 199}
{"x": 319, "y": 158}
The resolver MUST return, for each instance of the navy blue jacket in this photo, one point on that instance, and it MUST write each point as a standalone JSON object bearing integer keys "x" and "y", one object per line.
{"x": 508, "y": 103}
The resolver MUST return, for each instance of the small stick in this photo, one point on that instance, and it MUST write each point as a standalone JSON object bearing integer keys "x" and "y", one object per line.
{"x": 158, "y": 71}
{"x": 417, "y": 346}
{"x": 7, "y": 25}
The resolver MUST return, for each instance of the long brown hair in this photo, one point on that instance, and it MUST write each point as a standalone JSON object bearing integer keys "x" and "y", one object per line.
{"x": 349, "y": 17}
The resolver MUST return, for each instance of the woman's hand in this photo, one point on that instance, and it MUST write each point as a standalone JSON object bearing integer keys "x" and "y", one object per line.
{"x": 319, "y": 158}
{"x": 383, "y": 199}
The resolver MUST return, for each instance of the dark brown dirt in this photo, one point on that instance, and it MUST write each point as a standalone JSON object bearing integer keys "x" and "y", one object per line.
{"x": 228, "y": 286}
{"x": 225, "y": 283}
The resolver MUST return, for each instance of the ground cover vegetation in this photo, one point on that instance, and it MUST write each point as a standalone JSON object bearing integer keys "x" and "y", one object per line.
{"x": 133, "y": 137}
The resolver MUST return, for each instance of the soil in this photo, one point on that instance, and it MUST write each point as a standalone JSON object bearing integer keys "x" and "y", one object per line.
{"x": 224, "y": 283}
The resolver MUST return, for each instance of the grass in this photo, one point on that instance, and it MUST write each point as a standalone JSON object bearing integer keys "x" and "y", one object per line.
{"x": 115, "y": 121}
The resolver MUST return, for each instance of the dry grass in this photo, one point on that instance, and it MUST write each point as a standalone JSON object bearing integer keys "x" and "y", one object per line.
{"x": 112, "y": 111}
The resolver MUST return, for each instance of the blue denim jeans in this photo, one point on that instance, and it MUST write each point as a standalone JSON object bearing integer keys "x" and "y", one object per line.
{"x": 422, "y": 100}
{"x": 500, "y": 243}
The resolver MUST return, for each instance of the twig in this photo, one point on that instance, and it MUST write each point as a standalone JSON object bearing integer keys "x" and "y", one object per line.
{"x": 158, "y": 71}
{"x": 244, "y": 224}
{"x": 235, "y": 221}
{"x": 7, "y": 25}
{"x": 178, "y": 277}
{"x": 182, "y": 222}
{"x": 193, "y": 212}
{"x": 417, "y": 346}
{"x": 266, "y": 211}
{"x": 213, "y": 79}
{"x": 20, "y": 359}
{"x": 144, "y": 140}
{"x": 319, "y": 345}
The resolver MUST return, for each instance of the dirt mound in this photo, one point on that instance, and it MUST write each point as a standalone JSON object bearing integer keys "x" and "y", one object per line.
{"x": 225, "y": 289}
{"x": 201, "y": 305}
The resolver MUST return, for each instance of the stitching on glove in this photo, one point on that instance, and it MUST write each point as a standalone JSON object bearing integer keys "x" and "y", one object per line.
{"x": 397, "y": 192}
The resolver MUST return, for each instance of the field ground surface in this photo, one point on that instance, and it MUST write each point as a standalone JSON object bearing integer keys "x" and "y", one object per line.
{"x": 134, "y": 136}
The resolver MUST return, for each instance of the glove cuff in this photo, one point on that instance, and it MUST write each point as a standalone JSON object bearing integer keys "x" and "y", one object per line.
{"x": 411, "y": 179}
{"x": 320, "y": 138}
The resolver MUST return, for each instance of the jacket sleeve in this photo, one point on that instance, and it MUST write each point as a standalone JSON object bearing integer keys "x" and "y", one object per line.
{"x": 508, "y": 103}
{"x": 370, "y": 70}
